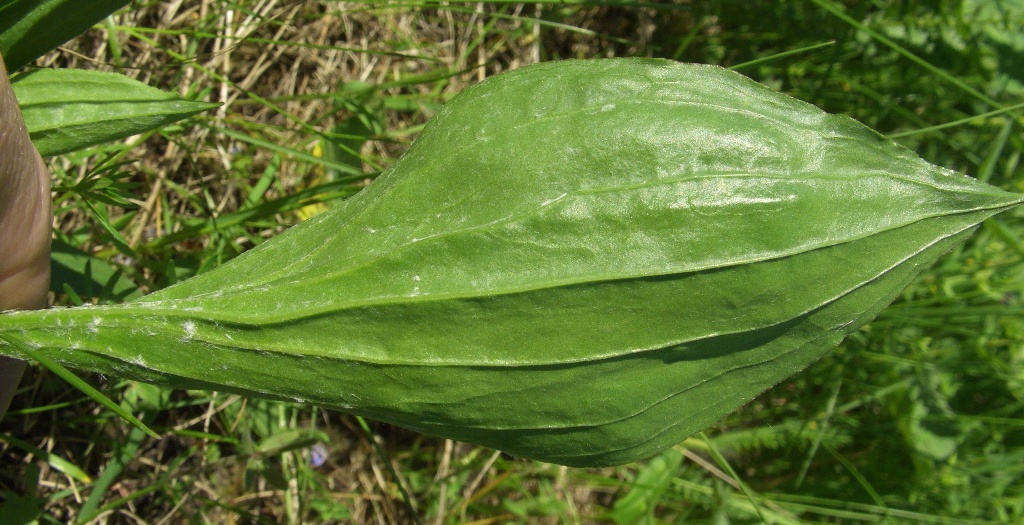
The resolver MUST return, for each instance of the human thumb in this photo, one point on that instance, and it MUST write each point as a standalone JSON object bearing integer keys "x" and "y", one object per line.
{"x": 25, "y": 222}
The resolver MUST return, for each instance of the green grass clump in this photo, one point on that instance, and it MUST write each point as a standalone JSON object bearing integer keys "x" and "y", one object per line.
{"x": 918, "y": 417}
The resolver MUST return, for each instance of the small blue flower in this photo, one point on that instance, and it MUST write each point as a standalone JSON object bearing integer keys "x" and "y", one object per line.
{"x": 317, "y": 455}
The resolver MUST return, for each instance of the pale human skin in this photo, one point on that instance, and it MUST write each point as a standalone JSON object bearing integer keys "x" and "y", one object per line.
{"x": 25, "y": 222}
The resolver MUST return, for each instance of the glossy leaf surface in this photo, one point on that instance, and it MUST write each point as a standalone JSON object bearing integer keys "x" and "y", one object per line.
{"x": 577, "y": 262}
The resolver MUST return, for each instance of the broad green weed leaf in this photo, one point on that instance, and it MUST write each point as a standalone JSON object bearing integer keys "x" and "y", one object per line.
{"x": 580, "y": 262}
{"x": 68, "y": 109}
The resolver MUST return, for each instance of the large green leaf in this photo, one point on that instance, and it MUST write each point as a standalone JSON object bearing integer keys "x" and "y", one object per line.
{"x": 578, "y": 262}
{"x": 68, "y": 109}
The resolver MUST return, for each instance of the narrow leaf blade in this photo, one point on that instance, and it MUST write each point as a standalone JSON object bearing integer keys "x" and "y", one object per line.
{"x": 67, "y": 110}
